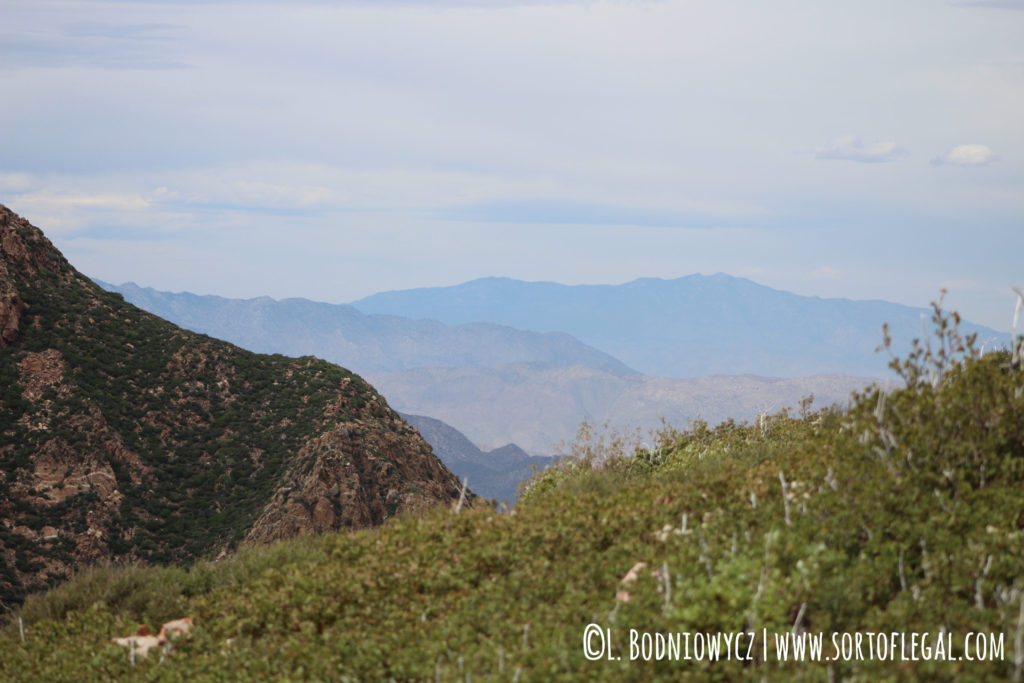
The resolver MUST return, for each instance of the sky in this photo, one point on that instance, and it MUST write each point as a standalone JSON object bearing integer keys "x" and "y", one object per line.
{"x": 330, "y": 150}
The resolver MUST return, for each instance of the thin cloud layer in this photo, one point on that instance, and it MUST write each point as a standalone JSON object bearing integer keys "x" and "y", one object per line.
{"x": 849, "y": 148}
{"x": 96, "y": 45}
{"x": 994, "y": 4}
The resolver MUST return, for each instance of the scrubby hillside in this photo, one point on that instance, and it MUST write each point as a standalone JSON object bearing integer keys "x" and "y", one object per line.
{"x": 125, "y": 437}
{"x": 901, "y": 515}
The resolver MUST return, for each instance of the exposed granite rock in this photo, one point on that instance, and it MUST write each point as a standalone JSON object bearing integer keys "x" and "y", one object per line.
{"x": 11, "y": 308}
{"x": 41, "y": 371}
{"x": 359, "y": 477}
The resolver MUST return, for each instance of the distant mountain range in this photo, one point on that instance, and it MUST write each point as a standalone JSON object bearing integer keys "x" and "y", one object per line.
{"x": 540, "y": 407}
{"x": 499, "y": 385}
{"x": 364, "y": 343}
{"x": 492, "y": 474}
{"x": 693, "y": 326}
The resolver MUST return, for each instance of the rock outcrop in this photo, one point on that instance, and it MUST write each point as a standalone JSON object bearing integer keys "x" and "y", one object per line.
{"x": 11, "y": 308}
{"x": 350, "y": 477}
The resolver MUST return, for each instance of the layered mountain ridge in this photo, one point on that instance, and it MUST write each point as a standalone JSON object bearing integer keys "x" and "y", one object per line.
{"x": 692, "y": 326}
{"x": 494, "y": 474}
{"x": 124, "y": 437}
{"x": 364, "y": 342}
{"x": 500, "y": 385}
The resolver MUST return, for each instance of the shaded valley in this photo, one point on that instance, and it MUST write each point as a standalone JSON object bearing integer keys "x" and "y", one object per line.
{"x": 494, "y": 474}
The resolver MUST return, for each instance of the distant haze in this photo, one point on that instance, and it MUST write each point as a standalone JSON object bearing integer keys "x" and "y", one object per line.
{"x": 540, "y": 408}
{"x": 498, "y": 384}
{"x": 688, "y": 327}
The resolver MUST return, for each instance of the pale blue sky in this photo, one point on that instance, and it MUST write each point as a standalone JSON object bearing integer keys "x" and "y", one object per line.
{"x": 330, "y": 150}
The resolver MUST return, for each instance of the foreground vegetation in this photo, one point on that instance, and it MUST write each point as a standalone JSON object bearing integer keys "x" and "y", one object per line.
{"x": 900, "y": 513}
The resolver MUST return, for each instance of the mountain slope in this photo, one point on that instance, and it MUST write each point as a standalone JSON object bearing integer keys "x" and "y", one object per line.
{"x": 687, "y": 327}
{"x": 123, "y": 436}
{"x": 366, "y": 343}
{"x": 896, "y": 525}
{"x": 540, "y": 407}
{"x": 493, "y": 474}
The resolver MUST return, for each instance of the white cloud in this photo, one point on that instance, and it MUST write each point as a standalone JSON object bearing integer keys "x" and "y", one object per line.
{"x": 17, "y": 182}
{"x": 849, "y": 148}
{"x": 967, "y": 155}
{"x": 256, "y": 193}
{"x": 110, "y": 200}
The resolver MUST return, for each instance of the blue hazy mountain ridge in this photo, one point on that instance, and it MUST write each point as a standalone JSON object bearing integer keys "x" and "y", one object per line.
{"x": 691, "y": 326}
{"x": 492, "y": 474}
{"x": 362, "y": 342}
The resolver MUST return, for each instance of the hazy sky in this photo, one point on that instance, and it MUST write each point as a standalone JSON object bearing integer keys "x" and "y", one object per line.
{"x": 330, "y": 150}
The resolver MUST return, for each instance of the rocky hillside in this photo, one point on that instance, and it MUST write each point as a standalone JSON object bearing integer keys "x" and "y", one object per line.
{"x": 124, "y": 437}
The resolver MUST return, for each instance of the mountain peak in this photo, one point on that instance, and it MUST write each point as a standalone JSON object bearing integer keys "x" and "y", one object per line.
{"x": 24, "y": 254}
{"x": 691, "y": 326}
